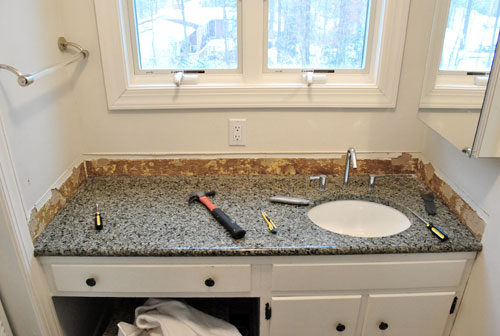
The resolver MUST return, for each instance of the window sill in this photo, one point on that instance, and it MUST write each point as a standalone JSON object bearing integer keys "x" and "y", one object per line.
{"x": 455, "y": 97}
{"x": 227, "y": 96}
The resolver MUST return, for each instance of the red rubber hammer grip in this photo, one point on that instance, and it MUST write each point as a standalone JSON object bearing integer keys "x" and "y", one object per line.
{"x": 206, "y": 201}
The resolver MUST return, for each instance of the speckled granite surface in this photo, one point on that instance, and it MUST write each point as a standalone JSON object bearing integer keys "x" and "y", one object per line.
{"x": 150, "y": 216}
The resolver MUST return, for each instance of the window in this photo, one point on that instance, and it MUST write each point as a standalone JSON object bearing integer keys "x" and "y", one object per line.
{"x": 185, "y": 34}
{"x": 251, "y": 53}
{"x": 317, "y": 34}
{"x": 471, "y": 36}
{"x": 461, "y": 54}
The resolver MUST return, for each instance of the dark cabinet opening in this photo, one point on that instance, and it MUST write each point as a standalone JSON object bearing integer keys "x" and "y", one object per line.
{"x": 99, "y": 316}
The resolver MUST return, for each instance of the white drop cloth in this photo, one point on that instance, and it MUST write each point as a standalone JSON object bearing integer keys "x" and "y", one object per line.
{"x": 162, "y": 317}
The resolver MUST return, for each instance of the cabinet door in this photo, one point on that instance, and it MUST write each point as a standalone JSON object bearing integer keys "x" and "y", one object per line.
{"x": 416, "y": 314}
{"x": 315, "y": 315}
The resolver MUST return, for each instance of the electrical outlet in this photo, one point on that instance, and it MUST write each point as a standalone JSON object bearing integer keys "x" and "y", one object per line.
{"x": 237, "y": 132}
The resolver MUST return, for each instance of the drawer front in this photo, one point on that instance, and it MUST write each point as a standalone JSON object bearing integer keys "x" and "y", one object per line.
{"x": 354, "y": 276}
{"x": 151, "y": 278}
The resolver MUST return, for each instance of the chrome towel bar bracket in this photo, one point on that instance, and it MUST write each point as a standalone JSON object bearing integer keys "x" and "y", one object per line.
{"x": 62, "y": 44}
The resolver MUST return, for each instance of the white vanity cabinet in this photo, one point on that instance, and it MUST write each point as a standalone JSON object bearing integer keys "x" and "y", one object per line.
{"x": 354, "y": 295}
{"x": 398, "y": 295}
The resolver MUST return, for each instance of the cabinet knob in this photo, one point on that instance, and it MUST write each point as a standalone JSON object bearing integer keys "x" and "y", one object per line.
{"x": 90, "y": 282}
{"x": 383, "y": 326}
{"x": 209, "y": 282}
{"x": 340, "y": 327}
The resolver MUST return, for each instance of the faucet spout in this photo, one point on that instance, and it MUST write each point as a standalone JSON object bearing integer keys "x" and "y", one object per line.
{"x": 351, "y": 156}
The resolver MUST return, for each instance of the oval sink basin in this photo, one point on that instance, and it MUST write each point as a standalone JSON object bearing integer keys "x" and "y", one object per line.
{"x": 359, "y": 218}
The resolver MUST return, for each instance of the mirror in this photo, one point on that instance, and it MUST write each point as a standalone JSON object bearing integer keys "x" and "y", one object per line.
{"x": 487, "y": 139}
{"x": 459, "y": 71}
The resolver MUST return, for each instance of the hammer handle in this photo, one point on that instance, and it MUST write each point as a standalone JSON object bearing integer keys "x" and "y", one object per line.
{"x": 234, "y": 229}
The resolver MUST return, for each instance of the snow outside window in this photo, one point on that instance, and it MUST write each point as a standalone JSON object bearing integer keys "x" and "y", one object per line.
{"x": 186, "y": 34}
{"x": 317, "y": 34}
{"x": 471, "y": 35}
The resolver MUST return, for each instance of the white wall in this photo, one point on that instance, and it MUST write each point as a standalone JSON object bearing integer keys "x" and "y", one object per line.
{"x": 13, "y": 286}
{"x": 477, "y": 180}
{"x": 267, "y": 131}
{"x": 41, "y": 126}
{"x": 41, "y": 121}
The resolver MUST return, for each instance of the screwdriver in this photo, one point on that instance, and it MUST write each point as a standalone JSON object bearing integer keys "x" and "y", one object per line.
{"x": 270, "y": 223}
{"x": 434, "y": 229}
{"x": 98, "y": 219}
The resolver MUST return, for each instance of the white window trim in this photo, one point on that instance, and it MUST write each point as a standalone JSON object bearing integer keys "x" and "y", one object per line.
{"x": 127, "y": 90}
{"x": 441, "y": 90}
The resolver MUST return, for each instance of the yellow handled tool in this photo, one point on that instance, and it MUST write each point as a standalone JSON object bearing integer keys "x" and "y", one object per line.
{"x": 98, "y": 218}
{"x": 270, "y": 224}
{"x": 434, "y": 229}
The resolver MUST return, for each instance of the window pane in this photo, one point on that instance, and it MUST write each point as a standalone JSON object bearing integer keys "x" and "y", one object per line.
{"x": 187, "y": 34}
{"x": 317, "y": 34}
{"x": 471, "y": 35}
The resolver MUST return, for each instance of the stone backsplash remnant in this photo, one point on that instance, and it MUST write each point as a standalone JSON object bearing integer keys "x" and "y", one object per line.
{"x": 404, "y": 164}
{"x": 426, "y": 172}
{"x": 188, "y": 167}
{"x": 39, "y": 219}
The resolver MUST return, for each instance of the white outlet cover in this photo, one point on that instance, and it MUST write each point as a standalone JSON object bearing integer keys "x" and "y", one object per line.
{"x": 237, "y": 132}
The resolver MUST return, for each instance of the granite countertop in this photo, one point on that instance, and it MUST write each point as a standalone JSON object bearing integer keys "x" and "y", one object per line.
{"x": 150, "y": 216}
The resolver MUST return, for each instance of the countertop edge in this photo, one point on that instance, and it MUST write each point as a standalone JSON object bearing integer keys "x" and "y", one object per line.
{"x": 259, "y": 252}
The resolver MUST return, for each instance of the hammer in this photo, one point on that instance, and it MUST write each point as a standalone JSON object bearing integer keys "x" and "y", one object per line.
{"x": 231, "y": 226}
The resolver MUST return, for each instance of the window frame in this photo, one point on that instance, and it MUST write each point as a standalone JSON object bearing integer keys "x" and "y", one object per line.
{"x": 252, "y": 88}
{"x": 447, "y": 89}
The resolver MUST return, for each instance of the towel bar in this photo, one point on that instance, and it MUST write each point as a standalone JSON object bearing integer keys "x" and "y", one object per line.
{"x": 62, "y": 43}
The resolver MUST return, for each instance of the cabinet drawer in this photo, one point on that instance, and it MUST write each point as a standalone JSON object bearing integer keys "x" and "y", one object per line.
{"x": 377, "y": 275}
{"x": 151, "y": 278}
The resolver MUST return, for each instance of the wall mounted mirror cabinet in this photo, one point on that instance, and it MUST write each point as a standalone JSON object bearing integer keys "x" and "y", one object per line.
{"x": 459, "y": 99}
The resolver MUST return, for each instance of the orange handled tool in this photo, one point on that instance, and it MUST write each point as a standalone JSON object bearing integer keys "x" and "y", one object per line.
{"x": 234, "y": 229}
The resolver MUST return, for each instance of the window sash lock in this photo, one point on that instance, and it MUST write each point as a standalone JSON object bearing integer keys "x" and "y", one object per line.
{"x": 181, "y": 77}
{"x": 309, "y": 77}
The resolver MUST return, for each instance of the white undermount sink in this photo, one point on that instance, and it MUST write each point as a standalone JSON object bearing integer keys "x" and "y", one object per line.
{"x": 359, "y": 218}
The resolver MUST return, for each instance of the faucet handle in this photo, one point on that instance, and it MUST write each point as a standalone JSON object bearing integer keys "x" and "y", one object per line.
{"x": 373, "y": 178}
{"x": 321, "y": 179}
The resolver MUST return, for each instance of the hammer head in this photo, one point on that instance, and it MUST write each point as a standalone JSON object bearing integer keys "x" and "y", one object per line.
{"x": 196, "y": 196}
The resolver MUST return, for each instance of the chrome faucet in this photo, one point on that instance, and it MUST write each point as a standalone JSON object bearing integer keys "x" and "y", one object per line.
{"x": 371, "y": 181}
{"x": 351, "y": 155}
{"x": 321, "y": 179}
